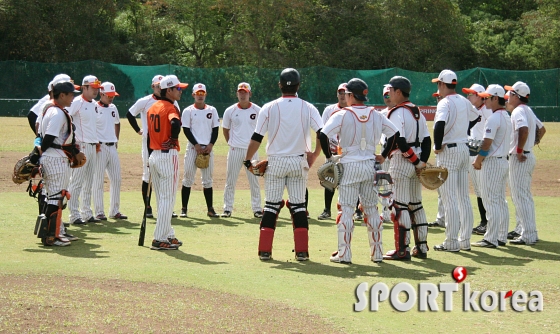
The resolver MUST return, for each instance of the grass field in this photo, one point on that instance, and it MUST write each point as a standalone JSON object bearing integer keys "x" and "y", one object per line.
{"x": 215, "y": 283}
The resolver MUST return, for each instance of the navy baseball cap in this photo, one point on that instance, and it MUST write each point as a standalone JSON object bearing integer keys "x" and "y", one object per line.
{"x": 402, "y": 83}
{"x": 359, "y": 88}
{"x": 289, "y": 77}
{"x": 64, "y": 87}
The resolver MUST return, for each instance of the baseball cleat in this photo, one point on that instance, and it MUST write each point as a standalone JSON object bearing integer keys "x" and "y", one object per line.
{"x": 226, "y": 214}
{"x": 79, "y": 222}
{"x": 394, "y": 255}
{"x": 265, "y": 256}
{"x": 480, "y": 229}
{"x": 174, "y": 215}
{"x": 119, "y": 216}
{"x": 483, "y": 243}
{"x": 101, "y": 217}
{"x": 302, "y": 256}
{"x": 442, "y": 248}
{"x": 163, "y": 245}
{"x": 183, "y": 213}
{"x": 258, "y": 214}
{"x": 512, "y": 235}
{"x": 70, "y": 237}
{"x": 175, "y": 241}
{"x": 336, "y": 259}
{"x": 519, "y": 241}
{"x": 436, "y": 224}
{"x": 211, "y": 213}
{"x": 325, "y": 215}
{"x": 53, "y": 241}
{"x": 416, "y": 252}
{"x": 501, "y": 243}
{"x": 358, "y": 215}
{"x": 93, "y": 220}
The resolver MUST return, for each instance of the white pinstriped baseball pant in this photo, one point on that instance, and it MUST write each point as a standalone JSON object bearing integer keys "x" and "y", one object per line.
{"x": 190, "y": 169}
{"x": 520, "y": 179}
{"x": 164, "y": 168}
{"x": 493, "y": 180}
{"x": 56, "y": 177}
{"x": 289, "y": 172}
{"x": 235, "y": 159}
{"x": 81, "y": 183}
{"x": 107, "y": 160}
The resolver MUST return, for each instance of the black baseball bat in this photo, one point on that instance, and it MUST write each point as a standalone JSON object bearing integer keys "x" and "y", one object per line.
{"x": 143, "y": 226}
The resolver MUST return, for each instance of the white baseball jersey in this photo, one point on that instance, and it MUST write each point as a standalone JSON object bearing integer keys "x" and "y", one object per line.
{"x": 522, "y": 116}
{"x": 279, "y": 118}
{"x": 329, "y": 110}
{"x": 406, "y": 124}
{"x": 201, "y": 122}
{"x": 83, "y": 114}
{"x": 242, "y": 123}
{"x": 359, "y": 140}
{"x": 38, "y": 107}
{"x": 477, "y": 131}
{"x": 456, "y": 111}
{"x": 107, "y": 117}
{"x": 141, "y": 107}
{"x": 55, "y": 123}
{"x": 498, "y": 129}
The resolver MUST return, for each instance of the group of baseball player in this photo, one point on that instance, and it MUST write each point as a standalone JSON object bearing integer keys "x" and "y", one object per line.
{"x": 348, "y": 133}
{"x": 67, "y": 126}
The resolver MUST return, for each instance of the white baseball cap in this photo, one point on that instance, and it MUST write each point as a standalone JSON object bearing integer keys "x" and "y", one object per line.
{"x": 198, "y": 87}
{"x": 386, "y": 88}
{"x": 493, "y": 90}
{"x": 92, "y": 81}
{"x": 342, "y": 86}
{"x": 170, "y": 81}
{"x": 242, "y": 86}
{"x": 108, "y": 89}
{"x": 446, "y": 76}
{"x": 157, "y": 79}
{"x": 520, "y": 88}
{"x": 62, "y": 78}
{"x": 475, "y": 89}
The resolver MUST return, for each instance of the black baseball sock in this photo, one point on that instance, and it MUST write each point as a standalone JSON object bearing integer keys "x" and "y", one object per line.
{"x": 145, "y": 195}
{"x": 185, "y": 194}
{"x": 328, "y": 199}
{"x": 208, "y": 196}
{"x": 482, "y": 211}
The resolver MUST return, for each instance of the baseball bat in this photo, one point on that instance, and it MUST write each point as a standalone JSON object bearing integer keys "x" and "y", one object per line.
{"x": 143, "y": 226}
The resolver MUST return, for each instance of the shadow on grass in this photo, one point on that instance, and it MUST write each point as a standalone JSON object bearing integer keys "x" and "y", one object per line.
{"x": 111, "y": 227}
{"x": 79, "y": 249}
{"x": 179, "y": 255}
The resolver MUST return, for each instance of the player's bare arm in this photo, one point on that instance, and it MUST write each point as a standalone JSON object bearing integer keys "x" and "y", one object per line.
{"x": 521, "y": 140}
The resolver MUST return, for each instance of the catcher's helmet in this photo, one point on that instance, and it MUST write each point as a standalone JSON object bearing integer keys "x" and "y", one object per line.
{"x": 289, "y": 77}
{"x": 359, "y": 88}
{"x": 402, "y": 83}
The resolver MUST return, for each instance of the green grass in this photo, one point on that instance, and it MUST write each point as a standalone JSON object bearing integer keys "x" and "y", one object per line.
{"x": 221, "y": 255}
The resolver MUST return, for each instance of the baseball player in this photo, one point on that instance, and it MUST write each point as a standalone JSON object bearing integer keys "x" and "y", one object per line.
{"x": 522, "y": 163}
{"x": 164, "y": 126}
{"x": 141, "y": 108}
{"x": 359, "y": 130}
{"x": 440, "y": 217}
{"x": 475, "y": 140}
{"x": 108, "y": 130}
{"x": 287, "y": 120}
{"x": 492, "y": 163}
{"x": 386, "y": 164}
{"x": 239, "y": 122}
{"x": 83, "y": 111}
{"x": 454, "y": 117}
{"x": 200, "y": 125}
{"x": 333, "y": 143}
{"x": 57, "y": 137}
{"x": 411, "y": 156}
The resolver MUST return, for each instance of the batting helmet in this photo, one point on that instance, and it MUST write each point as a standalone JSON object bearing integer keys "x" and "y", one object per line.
{"x": 289, "y": 77}
{"x": 359, "y": 88}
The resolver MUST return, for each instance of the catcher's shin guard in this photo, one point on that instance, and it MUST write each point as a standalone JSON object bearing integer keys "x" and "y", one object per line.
{"x": 401, "y": 227}
{"x": 301, "y": 240}
{"x": 339, "y": 214}
{"x": 47, "y": 224}
{"x": 344, "y": 242}
{"x": 419, "y": 226}
{"x": 299, "y": 214}
{"x": 268, "y": 225}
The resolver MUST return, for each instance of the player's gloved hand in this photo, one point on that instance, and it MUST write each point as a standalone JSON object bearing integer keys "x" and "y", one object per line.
{"x": 247, "y": 163}
{"x": 170, "y": 143}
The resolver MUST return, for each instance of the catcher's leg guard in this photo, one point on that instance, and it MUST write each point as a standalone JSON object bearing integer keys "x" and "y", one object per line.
{"x": 47, "y": 225}
{"x": 401, "y": 227}
{"x": 339, "y": 214}
{"x": 345, "y": 226}
{"x": 374, "y": 230}
{"x": 419, "y": 227}
{"x": 301, "y": 228}
{"x": 268, "y": 225}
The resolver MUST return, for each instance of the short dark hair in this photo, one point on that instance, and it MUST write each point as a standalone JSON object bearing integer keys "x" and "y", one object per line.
{"x": 56, "y": 93}
{"x": 451, "y": 86}
{"x": 501, "y": 101}
{"x": 289, "y": 89}
{"x": 405, "y": 94}
{"x": 163, "y": 92}
{"x": 523, "y": 99}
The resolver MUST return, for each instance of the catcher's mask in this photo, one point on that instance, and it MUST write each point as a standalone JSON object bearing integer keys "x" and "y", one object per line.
{"x": 384, "y": 183}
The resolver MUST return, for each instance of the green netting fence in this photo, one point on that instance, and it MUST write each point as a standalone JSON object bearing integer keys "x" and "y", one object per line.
{"x": 23, "y": 83}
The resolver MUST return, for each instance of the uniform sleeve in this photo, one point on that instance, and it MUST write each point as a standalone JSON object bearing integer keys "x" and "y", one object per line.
{"x": 389, "y": 129}
{"x": 186, "y": 118}
{"x": 262, "y": 121}
{"x": 326, "y": 115}
{"x": 333, "y": 125}
{"x": 316, "y": 120}
{"x": 74, "y": 107}
{"x": 227, "y": 118}
{"x": 215, "y": 118}
{"x": 490, "y": 127}
{"x": 136, "y": 107}
{"x": 442, "y": 111}
{"x": 423, "y": 128}
{"x": 172, "y": 114}
{"x": 519, "y": 119}
{"x": 55, "y": 124}
{"x": 473, "y": 113}
{"x": 397, "y": 118}
{"x": 116, "y": 116}
{"x": 540, "y": 125}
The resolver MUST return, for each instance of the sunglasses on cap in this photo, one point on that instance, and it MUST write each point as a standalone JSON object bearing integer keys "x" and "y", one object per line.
{"x": 96, "y": 82}
{"x": 471, "y": 94}
{"x": 385, "y": 96}
{"x": 200, "y": 93}
{"x": 177, "y": 88}
{"x": 341, "y": 92}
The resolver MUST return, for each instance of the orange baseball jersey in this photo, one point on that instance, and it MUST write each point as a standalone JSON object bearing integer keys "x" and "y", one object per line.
{"x": 160, "y": 115}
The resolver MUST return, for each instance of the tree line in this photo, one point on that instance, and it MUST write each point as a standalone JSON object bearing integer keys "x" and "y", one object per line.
{"x": 418, "y": 35}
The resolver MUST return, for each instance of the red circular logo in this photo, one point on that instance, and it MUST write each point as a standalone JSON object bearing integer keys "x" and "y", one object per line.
{"x": 459, "y": 274}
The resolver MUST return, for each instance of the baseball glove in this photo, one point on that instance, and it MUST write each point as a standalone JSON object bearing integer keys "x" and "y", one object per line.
{"x": 26, "y": 167}
{"x": 330, "y": 174}
{"x": 259, "y": 168}
{"x": 202, "y": 160}
{"x": 432, "y": 177}
{"x": 78, "y": 160}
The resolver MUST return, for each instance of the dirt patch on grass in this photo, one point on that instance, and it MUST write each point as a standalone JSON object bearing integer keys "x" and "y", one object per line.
{"x": 50, "y": 304}
{"x": 546, "y": 178}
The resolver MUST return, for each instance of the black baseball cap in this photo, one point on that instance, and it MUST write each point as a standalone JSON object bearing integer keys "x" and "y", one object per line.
{"x": 359, "y": 88}
{"x": 289, "y": 77}
{"x": 64, "y": 87}
{"x": 402, "y": 83}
